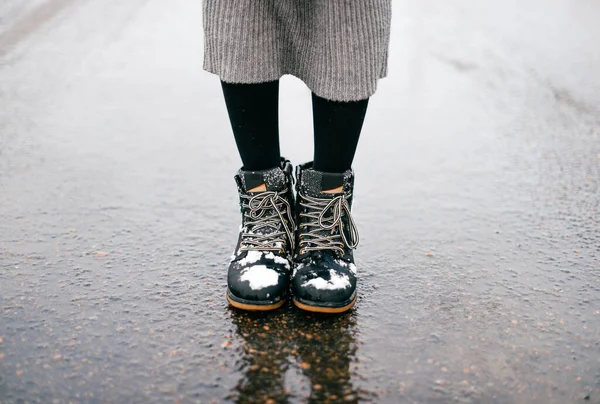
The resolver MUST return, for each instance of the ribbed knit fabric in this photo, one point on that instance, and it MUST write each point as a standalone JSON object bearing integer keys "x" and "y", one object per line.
{"x": 339, "y": 48}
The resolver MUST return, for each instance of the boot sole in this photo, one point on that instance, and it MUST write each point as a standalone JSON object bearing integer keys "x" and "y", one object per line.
{"x": 324, "y": 309}
{"x": 255, "y": 307}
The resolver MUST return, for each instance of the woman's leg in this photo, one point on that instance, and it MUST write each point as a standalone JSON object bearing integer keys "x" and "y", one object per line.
{"x": 324, "y": 277}
{"x": 337, "y": 127}
{"x": 254, "y": 116}
{"x": 258, "y": 276}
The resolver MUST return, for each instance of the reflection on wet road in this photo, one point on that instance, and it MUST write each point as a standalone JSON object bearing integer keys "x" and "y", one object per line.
{"x": 477, "y": 200}
{"x": 279, "y": 349}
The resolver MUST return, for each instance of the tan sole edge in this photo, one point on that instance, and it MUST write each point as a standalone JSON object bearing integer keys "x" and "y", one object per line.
{"x": 318, "y": 309}
{"x": 255, "y": 307}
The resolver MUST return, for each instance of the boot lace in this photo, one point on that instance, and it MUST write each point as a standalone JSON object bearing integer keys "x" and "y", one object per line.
{"x": 269, "y": 224}
{"x": 324, "y": 228}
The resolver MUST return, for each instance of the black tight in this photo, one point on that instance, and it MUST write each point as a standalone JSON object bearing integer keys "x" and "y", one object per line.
{"x": 254, "y": 116}
{"x": 253, "y": 112}
{"x": 337, "y": 127}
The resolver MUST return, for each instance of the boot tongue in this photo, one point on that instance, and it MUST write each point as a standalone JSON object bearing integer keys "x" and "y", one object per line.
{"x": 320, "y": 184}
{"x": 327, "y": 186}
{"x": 266, "y": 180}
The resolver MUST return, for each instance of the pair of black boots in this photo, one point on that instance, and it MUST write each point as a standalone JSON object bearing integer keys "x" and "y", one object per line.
{"x": 304, "y": 242}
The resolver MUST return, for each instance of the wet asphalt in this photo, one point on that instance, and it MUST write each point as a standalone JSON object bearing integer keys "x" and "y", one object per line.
{"x": 477, "y": 201}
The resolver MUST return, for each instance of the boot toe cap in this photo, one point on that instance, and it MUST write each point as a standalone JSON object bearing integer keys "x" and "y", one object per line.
{"x": 258, "y": 283}
{"x": 324, "y": 286}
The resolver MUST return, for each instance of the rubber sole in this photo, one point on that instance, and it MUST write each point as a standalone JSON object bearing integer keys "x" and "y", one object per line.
{"x": 255, "y": 307}
{"x": 322, "y": 309}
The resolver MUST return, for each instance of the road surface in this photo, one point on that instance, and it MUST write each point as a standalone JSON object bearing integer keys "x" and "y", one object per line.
{"x": 477, "y": 201}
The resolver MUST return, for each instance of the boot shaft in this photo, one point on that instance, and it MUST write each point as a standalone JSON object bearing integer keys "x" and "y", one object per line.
{"x": 323, "y": 211}
{"x": 275, "y": 179}
{"x": 268, "y": 209}
{"x": 313, "y": 183}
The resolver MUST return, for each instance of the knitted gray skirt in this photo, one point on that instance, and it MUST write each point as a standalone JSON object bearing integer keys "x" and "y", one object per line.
{"x": 339, "y": 48}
